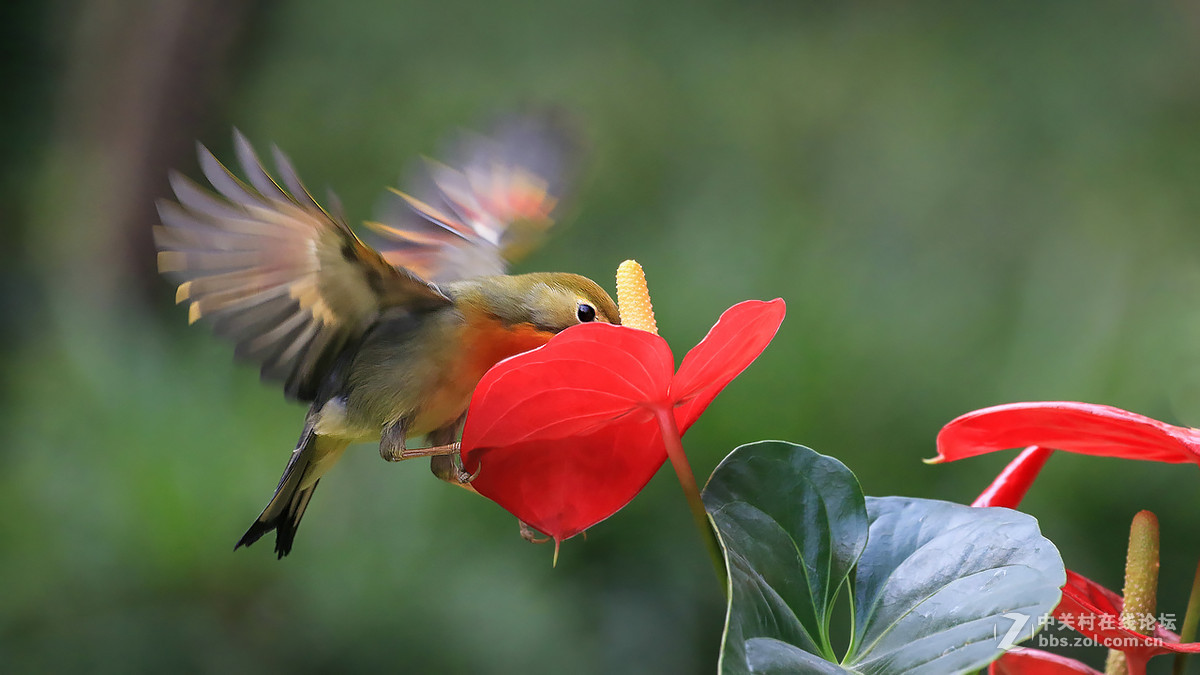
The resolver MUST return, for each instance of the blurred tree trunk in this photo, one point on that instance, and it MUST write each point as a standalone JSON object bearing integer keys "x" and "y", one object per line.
{"x": 140, "y": 76}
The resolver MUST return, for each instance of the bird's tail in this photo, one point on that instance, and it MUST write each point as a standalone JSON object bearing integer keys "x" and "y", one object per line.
{"x": 313, "y": 455}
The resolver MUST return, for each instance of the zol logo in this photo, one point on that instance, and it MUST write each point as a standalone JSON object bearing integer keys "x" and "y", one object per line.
{"x": 1019, "y": 621}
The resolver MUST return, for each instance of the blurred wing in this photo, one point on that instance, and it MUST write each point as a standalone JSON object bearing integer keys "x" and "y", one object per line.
{"x": 275, "y": 273}
{"x": 490, "y": 206}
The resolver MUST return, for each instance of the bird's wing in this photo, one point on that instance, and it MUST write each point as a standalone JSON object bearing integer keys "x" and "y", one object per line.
{"x": 274, "y": 272}
{"x": 487, "y": 206}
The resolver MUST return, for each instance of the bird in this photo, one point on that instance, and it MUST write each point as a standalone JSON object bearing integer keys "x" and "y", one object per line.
{"x": 383, "y": 335}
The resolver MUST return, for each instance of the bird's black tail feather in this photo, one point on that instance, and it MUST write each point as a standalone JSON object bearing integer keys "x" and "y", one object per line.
{"x": 286, "y": 508}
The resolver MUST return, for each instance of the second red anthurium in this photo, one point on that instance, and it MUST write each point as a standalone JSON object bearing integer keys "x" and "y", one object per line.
{"x": 1086, "y": 606}
{"x": 565, "y": 435}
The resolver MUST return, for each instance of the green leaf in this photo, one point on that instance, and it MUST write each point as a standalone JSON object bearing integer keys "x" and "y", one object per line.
{"x": 936, "y": 580}
{"x": 782, "y": 585}
{"x": 932, "y": 580}
{"x": 776, "y": 657}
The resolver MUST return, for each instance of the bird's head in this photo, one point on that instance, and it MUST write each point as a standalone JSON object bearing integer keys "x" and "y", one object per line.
{"x": 548, "y": 301}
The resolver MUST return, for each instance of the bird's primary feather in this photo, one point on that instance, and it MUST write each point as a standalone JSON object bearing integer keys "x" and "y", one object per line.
{"x": 274, "y": 272}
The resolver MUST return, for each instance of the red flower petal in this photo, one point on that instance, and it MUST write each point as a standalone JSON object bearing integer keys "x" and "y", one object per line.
{"x": 562, "y": 488}
{"x": 739, "y": 336}
{"x": 1014, "y": 481}
{"x": 587, "y": 376}
{"x": 1087, "y": 594}
{"x": 1094, "y": 611}
{"x": 1075, "y": 427}
{"x": 1021, "y": 661}
{"x": 562, "y": 436}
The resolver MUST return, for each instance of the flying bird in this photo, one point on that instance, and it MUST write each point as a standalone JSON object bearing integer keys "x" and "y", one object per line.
{"x": 383, "y": 342}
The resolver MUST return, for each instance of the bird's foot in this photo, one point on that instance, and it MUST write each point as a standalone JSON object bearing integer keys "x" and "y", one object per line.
{"x": 461, "y": 474}
{"x": 450, "y": 449}
{"x": 531, "y": 535}
{"x": 449, "y": 467}
{"x": 392, "y": 445}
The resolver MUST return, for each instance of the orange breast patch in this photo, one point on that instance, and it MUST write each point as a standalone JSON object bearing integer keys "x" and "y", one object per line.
{"x": 487, "y": 341}
{"x": 484, "y": 342}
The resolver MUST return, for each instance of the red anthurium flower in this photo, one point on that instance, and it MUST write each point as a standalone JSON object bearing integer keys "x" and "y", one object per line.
{"x": 1095, "y": 612}
{"x": 1085, "y": 428}
{"x": 1087, "y": 607}
{"x": 1021, "y": 661}
{"x": 565, "y": 435}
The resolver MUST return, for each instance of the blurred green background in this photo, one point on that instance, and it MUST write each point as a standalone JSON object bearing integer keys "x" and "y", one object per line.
{"x": 963, "y": 204}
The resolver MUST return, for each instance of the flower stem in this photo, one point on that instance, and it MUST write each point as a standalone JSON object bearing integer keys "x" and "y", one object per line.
{"x": 1190, "y": 621}
{"x": 1010, "y": 486}
{"x": 687, "y": 480}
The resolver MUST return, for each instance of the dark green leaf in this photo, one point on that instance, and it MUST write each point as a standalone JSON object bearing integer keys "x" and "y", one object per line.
{"x": 782, "y": 584}
{"x": 932, "y": 581}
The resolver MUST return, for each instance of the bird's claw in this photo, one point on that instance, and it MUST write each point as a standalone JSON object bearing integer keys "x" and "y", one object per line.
{"x": 461, "y": 474}
{"x": 531, "y": 535}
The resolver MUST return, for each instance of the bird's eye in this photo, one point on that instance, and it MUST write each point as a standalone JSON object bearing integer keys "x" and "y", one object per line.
{"x": 586, "y": 313}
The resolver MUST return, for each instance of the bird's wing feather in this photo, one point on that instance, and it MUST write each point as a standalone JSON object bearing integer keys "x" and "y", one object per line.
{"x": 488, "y": 207}
{"x": 273, "y": 271}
